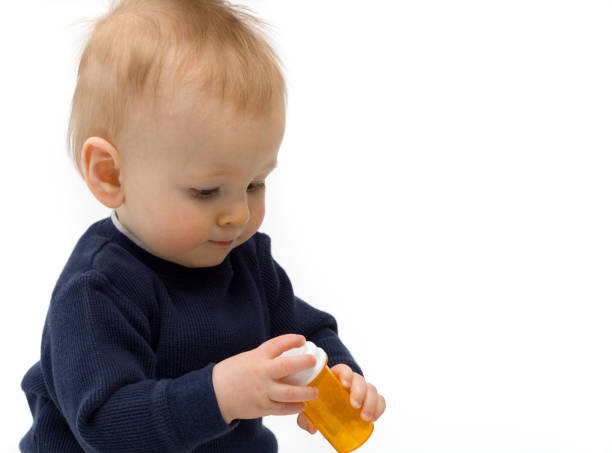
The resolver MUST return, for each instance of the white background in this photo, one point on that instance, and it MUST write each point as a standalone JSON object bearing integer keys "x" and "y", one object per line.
{"x": 444, "y": 189}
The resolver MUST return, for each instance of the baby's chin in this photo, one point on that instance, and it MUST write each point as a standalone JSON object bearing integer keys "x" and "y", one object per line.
{"x": 208, "y": 255}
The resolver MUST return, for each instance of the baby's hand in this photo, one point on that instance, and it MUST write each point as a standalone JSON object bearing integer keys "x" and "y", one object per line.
{"x": 363, "y": 394}
{"x": 248, "y": 385}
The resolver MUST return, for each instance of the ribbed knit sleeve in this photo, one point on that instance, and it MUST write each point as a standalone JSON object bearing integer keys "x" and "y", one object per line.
{"x": 99, "y": 365}
{"x": 290, "y": 314}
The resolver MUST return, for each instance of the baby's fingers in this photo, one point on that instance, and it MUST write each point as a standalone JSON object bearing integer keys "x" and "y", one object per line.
{"x": 286, "y": 366}
{"x": 285, "y": 409}
{"x": 285, "y": 393}
{"x": 380, "y": 407}
{"x": 370, "y": 404}
{"x": 304, "y": 423}
{"x": 344, "y": 373}
{"x": 277, "y": 345}
{"x": 359, "y": 389}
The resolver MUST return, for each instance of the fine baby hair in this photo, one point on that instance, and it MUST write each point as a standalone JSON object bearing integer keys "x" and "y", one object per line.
{"x": 142, "y": 50}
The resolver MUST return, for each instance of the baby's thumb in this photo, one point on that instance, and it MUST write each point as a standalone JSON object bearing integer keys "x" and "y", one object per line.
{"x": 304, "y": 423}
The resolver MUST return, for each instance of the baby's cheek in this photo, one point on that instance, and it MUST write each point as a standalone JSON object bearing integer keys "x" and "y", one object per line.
{"x": 185, "y": 235}
{"x": 179, "y": 231}
{"x": 258, "y": 211}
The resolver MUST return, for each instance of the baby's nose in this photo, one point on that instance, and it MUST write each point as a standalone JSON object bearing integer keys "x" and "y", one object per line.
{"x": 238, "y": 213}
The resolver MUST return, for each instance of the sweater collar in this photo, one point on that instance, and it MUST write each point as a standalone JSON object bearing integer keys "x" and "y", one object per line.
{"x": 129, "y": 234}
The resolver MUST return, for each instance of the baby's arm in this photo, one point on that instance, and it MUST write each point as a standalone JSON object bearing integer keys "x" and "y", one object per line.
{"x": 100, "y": 366}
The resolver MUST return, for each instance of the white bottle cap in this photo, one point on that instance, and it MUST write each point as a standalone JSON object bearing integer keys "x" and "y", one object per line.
{"x": 305, "y": 377}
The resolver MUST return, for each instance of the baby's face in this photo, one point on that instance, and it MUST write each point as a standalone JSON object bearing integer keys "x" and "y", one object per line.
{"x": 194, "y": 175}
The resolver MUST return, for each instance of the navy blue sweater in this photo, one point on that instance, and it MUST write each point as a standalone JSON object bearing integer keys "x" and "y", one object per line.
{"x": 130, "y": 340}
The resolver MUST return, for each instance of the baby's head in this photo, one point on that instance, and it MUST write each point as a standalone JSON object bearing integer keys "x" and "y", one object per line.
{"x": 177, "y": 119}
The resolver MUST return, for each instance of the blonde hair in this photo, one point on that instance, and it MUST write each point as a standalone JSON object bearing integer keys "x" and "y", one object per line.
{"x": 219, "y": 49}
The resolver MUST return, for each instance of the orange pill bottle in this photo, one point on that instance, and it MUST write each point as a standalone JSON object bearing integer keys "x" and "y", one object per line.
{"x": 331, "y": 413}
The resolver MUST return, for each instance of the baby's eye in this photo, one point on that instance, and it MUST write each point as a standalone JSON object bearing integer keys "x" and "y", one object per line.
{"x": 209, "y": 193}
{"x": 204, "y": 193}
{"x": 256, "y": 186}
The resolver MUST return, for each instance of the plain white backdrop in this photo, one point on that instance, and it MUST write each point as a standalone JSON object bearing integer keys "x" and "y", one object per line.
{"x": 444, "y": 189}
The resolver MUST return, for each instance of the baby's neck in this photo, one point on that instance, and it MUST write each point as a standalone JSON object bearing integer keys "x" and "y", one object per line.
{"x": 131, "y": 236}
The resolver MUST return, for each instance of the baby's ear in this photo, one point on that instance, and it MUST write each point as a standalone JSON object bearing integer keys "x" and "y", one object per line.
{"x": 100, "y": 163}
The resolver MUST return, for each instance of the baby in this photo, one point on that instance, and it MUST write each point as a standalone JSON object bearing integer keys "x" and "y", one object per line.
{"x": 164, "y": 326}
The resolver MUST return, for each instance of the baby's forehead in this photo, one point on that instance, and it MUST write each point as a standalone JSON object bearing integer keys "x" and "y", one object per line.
{"x": 190, "y": 105}
{"x": 207, "y": 136}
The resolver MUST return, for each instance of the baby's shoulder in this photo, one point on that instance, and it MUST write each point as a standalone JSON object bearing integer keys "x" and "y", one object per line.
{"x": 101, "y": 262}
